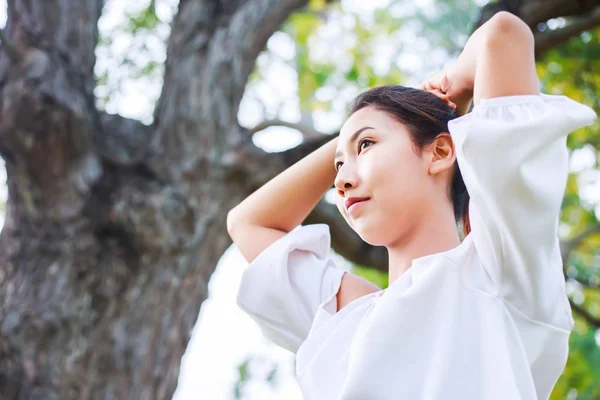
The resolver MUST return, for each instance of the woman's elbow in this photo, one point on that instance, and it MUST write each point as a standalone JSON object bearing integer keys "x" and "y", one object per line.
{"x": 508, "y": 29}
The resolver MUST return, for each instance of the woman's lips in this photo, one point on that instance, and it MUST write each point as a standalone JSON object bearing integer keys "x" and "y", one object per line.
{"x": 354, "y": 207}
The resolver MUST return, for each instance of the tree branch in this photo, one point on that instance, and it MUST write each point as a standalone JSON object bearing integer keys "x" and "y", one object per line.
{"x": 255, "y": 22}
{"x": 549, "y": 39}
{"x": 533, "y": 11}
{"x": 486, "y": 12}
{"x": 309, "y": 132}
{"x": 585, "y": 314}
{"x": 235, "y": 50}
{"x": 258, "y": 166}
{"x": 566, "y": 246}
{"x": 10, "y": 50}
{"x": 123, "y": 141}
{"x": 575, "y": 241}
{"x": 587, "y": 283}
{"x": 48, "y": 113}
{"x": 70, "y": 30}
{"x": 211, "y": 52}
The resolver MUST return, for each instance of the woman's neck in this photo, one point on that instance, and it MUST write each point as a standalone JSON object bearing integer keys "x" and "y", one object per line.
{"x": 435, "y": 234}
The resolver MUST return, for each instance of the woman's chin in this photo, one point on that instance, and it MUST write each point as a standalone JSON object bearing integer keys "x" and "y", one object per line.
{"x": 369, "y": 234}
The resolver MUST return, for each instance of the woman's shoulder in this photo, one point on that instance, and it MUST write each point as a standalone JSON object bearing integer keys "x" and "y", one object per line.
{"x": 352, "y": 288}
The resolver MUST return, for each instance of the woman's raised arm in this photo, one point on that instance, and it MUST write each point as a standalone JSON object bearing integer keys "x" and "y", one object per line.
{"x": 283, "y": 203}
{"x": 498, "y": 60}
{"x": 512, "y": 154}
{"x": 505, "y": 62}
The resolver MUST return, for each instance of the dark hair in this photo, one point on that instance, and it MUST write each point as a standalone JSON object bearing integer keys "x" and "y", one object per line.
{"x": 426, "y": 116}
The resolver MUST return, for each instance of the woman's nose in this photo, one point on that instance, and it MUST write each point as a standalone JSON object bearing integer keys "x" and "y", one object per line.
{"x": 344, "y": 181}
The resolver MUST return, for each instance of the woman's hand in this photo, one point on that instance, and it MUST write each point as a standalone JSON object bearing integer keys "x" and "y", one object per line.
{"x": 498, "y": 60}
{"x": 449, "y": 87}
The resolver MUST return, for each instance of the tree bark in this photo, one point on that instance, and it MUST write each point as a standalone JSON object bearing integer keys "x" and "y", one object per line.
{"x": 113, "y": 228}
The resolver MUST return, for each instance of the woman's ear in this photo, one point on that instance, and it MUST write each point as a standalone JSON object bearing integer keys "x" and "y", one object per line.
{"x": 442, "y": 154}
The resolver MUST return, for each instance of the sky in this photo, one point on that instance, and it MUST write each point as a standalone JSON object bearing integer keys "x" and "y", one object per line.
{"x": 224, "y": 336}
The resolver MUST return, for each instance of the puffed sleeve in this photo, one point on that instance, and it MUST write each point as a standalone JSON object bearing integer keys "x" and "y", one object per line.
{"x": 513, "y": 157}
{"x": 282, "y": 288}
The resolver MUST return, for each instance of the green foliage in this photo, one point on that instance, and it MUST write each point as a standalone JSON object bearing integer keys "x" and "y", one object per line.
{"x": 132, "y": 52}
{"x": 378, "y": 277}
{"x": 449, "y": 26}
{"x": 581, "y": 375}
{"x": 572, "y": 70}
{"x": 354, "y": 47}
{"x": 144, "y": 19}
{"x": 247, "y": 372}
{"x": 242, "y": 379}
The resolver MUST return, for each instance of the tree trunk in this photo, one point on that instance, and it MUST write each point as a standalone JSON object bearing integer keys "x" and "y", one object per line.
{"x": 113, "y": 228}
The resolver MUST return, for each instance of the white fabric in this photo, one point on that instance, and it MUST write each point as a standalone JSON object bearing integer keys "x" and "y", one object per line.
{"x": 486, "y": 320}
{"x": 283, "y": 287}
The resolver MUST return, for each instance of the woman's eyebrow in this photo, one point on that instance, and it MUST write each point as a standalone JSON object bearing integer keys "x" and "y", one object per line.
{"x": 352, "y": 139}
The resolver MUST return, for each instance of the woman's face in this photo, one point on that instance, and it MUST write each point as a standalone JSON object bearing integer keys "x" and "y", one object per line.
{"x": 380, "y": 163}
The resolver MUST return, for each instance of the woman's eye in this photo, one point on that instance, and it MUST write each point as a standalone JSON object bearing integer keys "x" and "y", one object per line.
{"x": 363, "y": 141}
{"x": 360, "y": 148}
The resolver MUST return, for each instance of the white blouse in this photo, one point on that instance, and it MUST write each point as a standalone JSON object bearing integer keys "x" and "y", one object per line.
{"x": 486, "y": 320}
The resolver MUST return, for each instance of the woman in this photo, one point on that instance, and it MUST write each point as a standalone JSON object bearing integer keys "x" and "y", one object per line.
{"x": 487, "y": 318}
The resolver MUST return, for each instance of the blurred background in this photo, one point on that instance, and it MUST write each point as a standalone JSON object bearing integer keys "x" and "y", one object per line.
{"x": 296, "y": 93}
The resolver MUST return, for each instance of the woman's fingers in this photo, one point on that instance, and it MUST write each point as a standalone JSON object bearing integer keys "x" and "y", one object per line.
{"x": 437, "y": 84}
{"x": 444, "y": 97}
